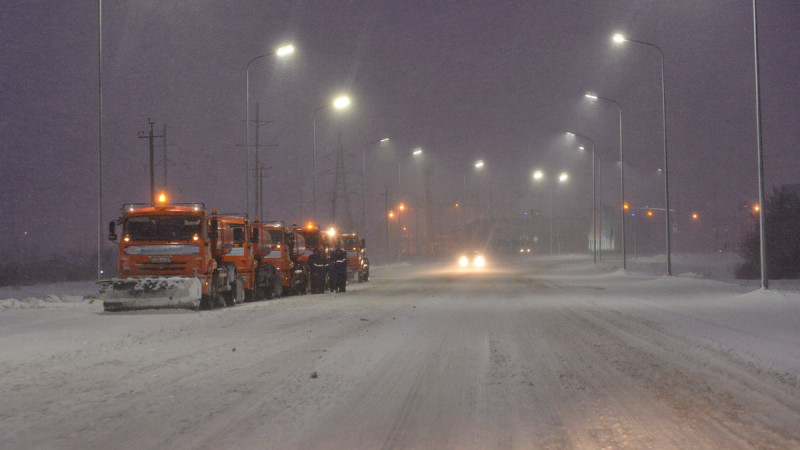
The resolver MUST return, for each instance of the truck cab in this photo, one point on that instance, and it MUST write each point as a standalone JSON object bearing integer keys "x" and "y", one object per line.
{"x": 166, "y": 258}
{"x": 357, "y": 261}
{"x": 233, "y": 250}
{"x": 278, "y": 250}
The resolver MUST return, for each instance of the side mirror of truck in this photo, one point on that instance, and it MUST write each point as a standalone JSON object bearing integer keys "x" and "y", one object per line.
{"x": 213, "y": 232}
{"x": 254, "y": 236}
{"x": 112, "y": 231}
{"x": 363, "y": 243}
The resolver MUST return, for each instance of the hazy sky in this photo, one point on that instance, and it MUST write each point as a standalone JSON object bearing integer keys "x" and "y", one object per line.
{"x": 497, "y": 80}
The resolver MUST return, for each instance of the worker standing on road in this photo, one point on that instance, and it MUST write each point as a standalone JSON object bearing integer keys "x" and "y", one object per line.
{"x": 319, "y": 269}
{"x": 339, "y": 260}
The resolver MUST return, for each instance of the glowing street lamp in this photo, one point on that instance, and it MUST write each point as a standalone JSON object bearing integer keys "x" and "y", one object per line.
{"x": 341, "y": 102}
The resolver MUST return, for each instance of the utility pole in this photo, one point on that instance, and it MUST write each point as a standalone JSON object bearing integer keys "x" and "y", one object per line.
{"x": 164, "y": 135}
{"x": 386, "y": 216}
{"x": 259, "y": 183}
{"x": 430, "y": 237}
{"x": 150, "y": 137}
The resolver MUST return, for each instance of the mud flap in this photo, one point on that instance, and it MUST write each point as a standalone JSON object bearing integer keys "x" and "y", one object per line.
{"x": 153, "y": 293}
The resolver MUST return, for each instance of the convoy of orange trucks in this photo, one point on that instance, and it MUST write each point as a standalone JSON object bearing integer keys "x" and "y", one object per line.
{"x": 182, "y": 256}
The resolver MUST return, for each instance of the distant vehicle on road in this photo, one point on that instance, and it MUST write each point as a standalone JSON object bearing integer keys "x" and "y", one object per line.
{"x": 472, "y": 260}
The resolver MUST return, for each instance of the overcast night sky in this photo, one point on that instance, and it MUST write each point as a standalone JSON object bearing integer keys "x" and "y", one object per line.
{"x": 496, "y": 80}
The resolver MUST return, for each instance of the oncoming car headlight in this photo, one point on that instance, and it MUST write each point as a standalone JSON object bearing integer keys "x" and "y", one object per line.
{"x": 463, "y": 261}
{"x": 479, "y": 261}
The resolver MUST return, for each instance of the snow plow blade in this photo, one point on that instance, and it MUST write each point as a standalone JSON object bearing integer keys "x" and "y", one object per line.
{"x": 152, "y": 293}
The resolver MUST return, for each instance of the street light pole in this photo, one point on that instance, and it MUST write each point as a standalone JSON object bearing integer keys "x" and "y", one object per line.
{"x": 400, "y": 208}
{"x": 594, "y": 197}
{"x": 621, "y": 174}
{"x": 314, "y": 165}
{"x": 539, "y": 175}
{"x": 282, "y": 51}
{"x": 99, "y": 139}
{"x": 761, "y": 228}
{"x": 621, "y": 38}
{"x": 364, "y": 185}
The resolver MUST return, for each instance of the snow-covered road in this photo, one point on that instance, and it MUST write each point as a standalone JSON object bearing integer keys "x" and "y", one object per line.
{"x": 548, "y": 353}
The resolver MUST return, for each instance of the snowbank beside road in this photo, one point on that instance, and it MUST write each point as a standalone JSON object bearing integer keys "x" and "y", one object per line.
{"x": 49, "y": 295}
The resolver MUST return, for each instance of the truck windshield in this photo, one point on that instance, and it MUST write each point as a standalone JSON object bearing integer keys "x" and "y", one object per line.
{"x": 238, "y": 234}
{"x": 350, "y": 244}
{"x": 163, "y": 228}
{"x": 311, "y": 238}
{"x": 276, "y": 236}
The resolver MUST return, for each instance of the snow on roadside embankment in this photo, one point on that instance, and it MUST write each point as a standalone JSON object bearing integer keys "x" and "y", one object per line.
{"x": 49, "y": 295}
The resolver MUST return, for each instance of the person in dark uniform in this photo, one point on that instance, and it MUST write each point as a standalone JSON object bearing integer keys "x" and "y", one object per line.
{"x": 319, "y": 270}
{"x": 331, "y": 275}
{"x": 339, "y": 259}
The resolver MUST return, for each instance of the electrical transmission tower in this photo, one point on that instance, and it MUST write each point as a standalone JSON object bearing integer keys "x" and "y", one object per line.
{"x": 340, "y": 192}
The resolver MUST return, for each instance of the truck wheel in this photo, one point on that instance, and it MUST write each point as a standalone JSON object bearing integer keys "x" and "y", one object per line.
{"x": 236, "y": 294}
{"x": 239, "y": 292}
{"x": 302, "y": 286}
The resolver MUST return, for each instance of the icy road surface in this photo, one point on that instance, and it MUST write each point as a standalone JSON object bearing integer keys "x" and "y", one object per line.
{"x": 542, "y": 354}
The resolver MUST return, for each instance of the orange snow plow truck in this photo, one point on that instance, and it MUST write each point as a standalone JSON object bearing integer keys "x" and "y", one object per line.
{"x": 357, "y": 261}
{"x": 179, "y": 256}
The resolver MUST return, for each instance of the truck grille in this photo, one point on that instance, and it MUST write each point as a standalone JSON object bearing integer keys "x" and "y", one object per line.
{"x": 162, "y": 268}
